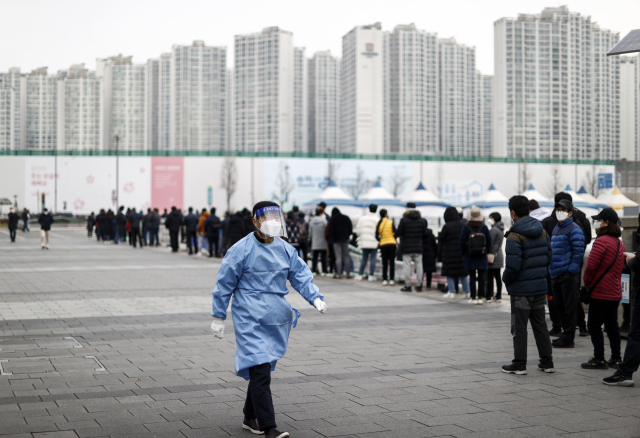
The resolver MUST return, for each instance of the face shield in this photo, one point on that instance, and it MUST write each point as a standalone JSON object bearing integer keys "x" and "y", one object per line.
{"x": 271, "y": 220}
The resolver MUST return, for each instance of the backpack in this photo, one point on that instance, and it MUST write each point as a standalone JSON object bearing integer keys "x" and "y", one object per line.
{"x": 477, "y": 243}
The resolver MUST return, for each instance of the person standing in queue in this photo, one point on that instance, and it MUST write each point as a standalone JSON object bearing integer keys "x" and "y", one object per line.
{"x": 173, "y": 224}
{"x": 191, "y": 223}
{"x": 255, "y": 272}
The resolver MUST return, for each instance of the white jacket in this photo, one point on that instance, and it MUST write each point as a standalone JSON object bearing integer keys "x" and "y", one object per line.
{"x": 366, "y": 231}
{"x": 540, "y": 213}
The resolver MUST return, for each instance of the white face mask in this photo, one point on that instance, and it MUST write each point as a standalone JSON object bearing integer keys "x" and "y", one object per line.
{"x": 270, "y": 228}
{"x": 562, "y": 216}
{"x": 491, "y": 222}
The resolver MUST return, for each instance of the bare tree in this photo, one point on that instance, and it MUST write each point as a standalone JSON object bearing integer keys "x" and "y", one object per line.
{"x": 284, "y": 183}
{"x": 360, "y": 185}
{"x": 525, "y": 176}
{"x": 229, "y": 179}
{"x": 437, "y": 180}
{"x": 396, "y": 182}
{"x": 590, "y": 181}
{"x": 555, "y": 185}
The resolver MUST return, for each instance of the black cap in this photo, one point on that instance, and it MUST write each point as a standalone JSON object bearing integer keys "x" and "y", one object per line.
{"x": 411, "y": 205}
{"x": 322, "y": 204}
{"x": 565, "y": 203}
{"x": 608, "y": 214}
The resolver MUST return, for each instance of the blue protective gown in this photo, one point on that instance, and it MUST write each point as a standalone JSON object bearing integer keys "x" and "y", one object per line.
{"x": 256, "y": 275}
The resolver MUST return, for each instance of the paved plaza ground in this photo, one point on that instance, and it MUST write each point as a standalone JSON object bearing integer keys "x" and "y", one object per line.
{"x": 109, "y": 341}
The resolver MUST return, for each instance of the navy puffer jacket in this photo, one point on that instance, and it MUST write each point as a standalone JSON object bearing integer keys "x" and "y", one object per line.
{"x": 528, "y": 257}
{"x": 567, "y": 247}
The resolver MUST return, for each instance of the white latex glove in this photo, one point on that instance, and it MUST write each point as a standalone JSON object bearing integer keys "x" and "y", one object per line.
{"x": 217, "y": 327}
{"x": 320, "y": 305}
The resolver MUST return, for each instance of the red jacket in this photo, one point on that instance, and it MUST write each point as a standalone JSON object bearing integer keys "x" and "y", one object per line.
{"x": 600, "y": 258}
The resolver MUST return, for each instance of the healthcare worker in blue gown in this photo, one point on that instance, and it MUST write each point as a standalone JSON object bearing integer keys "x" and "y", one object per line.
{"x": 255, "y": 272}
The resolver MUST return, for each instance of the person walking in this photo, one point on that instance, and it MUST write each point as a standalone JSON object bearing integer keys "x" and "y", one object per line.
{"x": 567, "y": 245}
{"x": 449, "y": 253}
{"x": 340, "y": 230}
{"x": 191, "y": 224}
{"x": 317, "y": 227}
{"x": 45, "y": 220}
{"x": 429, "y": 253}
{"x": 173, "y": 223}
{"x": 602, "y": 276}
{"x": 13, "y": 224}
{"x": 386, "y": 235}
{"x": 525, "y": 277}
{"x": 495, "y": 257}
{"x": 26, "y": 216}
{"x": 212, "y": 228}
{"x": 367, "y": 243}
{"x": 91, "y": 222}
{"x": 411, "y": 231}
{"x": 475, "y": 244}
{"x": 107, "y": 227}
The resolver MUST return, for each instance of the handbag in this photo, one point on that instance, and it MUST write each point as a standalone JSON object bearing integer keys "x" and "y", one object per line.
{"x": 585, "y": 291}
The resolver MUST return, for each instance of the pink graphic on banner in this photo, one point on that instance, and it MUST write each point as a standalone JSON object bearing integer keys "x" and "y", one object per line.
{"x": 167, "y": 182}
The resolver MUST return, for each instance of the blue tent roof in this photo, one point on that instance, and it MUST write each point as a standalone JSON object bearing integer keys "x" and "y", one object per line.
{"x": 420, "y": 186}
{"x": 531, "y": 187}
{"x": 332, "y": 184}
{"x": 492, "y": 187}
{"x": 377, "y": 184}
{"x": 568, "y": 188}
{"x": 582, "y": 191}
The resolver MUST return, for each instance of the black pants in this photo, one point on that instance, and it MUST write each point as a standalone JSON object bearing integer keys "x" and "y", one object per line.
{"x": 632, "y": 353}
{"x": 565, "y": 291}
{"x": 554, "y": 315}
{"x": 213, "y": 245}
{"x": 192, "y": 235}
{"x": 89, "y": 232}
{"x": 173, "y": 234}
{"x": 259, "y": 404}
{"x": 429, "y": 276}
{"x": 524, "y": 309}
{"x": 12, "y": 234}
{"x": 154, "y": 236}
{"x": 304, "y": 249}
{"x": 136, "y": 236}
{"x": 481, "y": 275}
{"x": 604, "y": 312}
{"x": 332, "y": 257}
{"x": 323, "y": 260}
{"x": 388, "y": 254}
{"x": 494, "y": 274}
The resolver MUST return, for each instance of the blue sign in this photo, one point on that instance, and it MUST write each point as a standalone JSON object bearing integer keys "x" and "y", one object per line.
{"x": 605, "y": 181}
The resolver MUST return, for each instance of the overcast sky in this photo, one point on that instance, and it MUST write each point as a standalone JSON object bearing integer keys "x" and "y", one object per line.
{"x": 58, "y": 33}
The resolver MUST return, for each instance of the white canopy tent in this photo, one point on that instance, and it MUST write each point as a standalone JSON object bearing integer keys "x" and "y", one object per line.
{"x": 429, "y": 205}
{"x": 616, "y": 200}
{"x": 492, "y": 200}
{"x": 587, "y": 196}
{"x": 532, "y": 193}
{"x": 334, "y": 196}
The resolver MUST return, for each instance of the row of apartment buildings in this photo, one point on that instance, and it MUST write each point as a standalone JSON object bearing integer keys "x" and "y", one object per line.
{"x": 555, "y": 95}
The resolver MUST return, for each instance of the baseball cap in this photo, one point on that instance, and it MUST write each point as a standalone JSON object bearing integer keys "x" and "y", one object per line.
{"x": 607, "y": 214}
{"x": 565, "y": 203}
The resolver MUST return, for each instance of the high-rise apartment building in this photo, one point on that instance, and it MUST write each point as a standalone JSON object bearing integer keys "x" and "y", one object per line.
{"x": 163, "y": 104}
{"x": 264, "y": 91}
{"x": 551, "y": 85}
{"x": 362, "y": 91}
{"x": 484, "y": 114}
{"x": 230, "y": 107}
{"x": 13, "y": 130}
{"x": 124, "y": 100}
{"x": 411, "y": 91}
{"x": 629, "y": 108}
{"x": 41, "y": 110}
{"x": 324, "y": 103}
{"x": 457, "y": 64}
{"x": 300, "y": 95}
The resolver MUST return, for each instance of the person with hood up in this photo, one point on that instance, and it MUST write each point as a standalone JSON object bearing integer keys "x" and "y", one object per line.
{"x": 525, "y": 276}
{"x": 537, "y": 212}
{"x": 412, "y": 230}
{"x": 495, "y": 257}
{"x": 317, "y": 227}
{"x": 191, "y": 224}
{"x": 474, "y": 250}
{"x": 340, "y": 230}
{"x": 386, "y": 235}
{"x": 567, "y": 245}
{"x": 173, "y": 223}
{"x": 45, "y": 220}
{"x": 366, "y": 232}
{"x": 91, "y": 222}
{"x": 449, "y": 253}
{"x": 13, "y": 224}
{"x": 429, "y": 251}
{"x": 255, "y": 272}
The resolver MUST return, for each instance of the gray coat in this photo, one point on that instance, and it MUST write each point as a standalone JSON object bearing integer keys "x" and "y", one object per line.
{"x": 317, "y": 226}
{"x": 497, "y": 237}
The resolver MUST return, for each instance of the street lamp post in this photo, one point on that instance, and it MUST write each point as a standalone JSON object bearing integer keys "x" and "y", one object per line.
{"x": 117, "y": 138}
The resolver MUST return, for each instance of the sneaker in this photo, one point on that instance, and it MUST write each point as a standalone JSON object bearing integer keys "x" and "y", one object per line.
{"x": 406, "y": 289}
{"x": 595, "y": 364}
{"x": 337, "y": 276}
{"x": 418, "y": 288}
{"x": 385, "y": 282}
{"x": 497, "y": 300}
{"x": 546, "y": 368}
{"x": 273, "y": 433}
{"x": 467, "y": 295}
{"x": 584, "y": 332}
{"x": 358, "y": 278}
{"x": 478, "y": 301}
{"x": 471, "y": 301}
{"x": 613, "y": 363}
{"x": 251, "y": 425}
{"x": 618, "y": 380}
{"x": 515, "y": 369}
{"x": 448, "y": 296}
{"x": 372, "y": 278}
{"x": 391, "y": 282}
{"x": 562, "y": 343}
{"x": 555, "y": 333}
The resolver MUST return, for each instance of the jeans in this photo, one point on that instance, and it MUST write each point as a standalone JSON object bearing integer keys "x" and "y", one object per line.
{"x": 452, "y": 284}
{"x": 25, "y": 226}
{"x": 481, "y": 278}
{"x": 343, "y": 262}
{"x": 192, "y": 240}
{"x": 523, "y": 310}
{"x": 212, "y": 241}
{"x": 388, "y": 253}
{"x": 323, "y": 260}
{"x": 632, "y": 353}
{"x": 368, "y": 253}
{"x": 259, "y": 404}
{"x": 12, "y": 234}
{"x": 604, "y": 312}
{"x": 406, "y": 264}
{"x": 494, "y": 274}
{"x": 565, "y": 289}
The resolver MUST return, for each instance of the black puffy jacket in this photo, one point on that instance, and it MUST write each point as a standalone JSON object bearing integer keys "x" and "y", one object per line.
{"x": 411, "y": 231}
{"x": 340, "y": 227}
{"x": 191, "y": 222}
{"x": 235, "y": 229}
{"x": 429, "y": 251}
{"x": 449, "y": 244}
{"x": 173, "y": 221}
